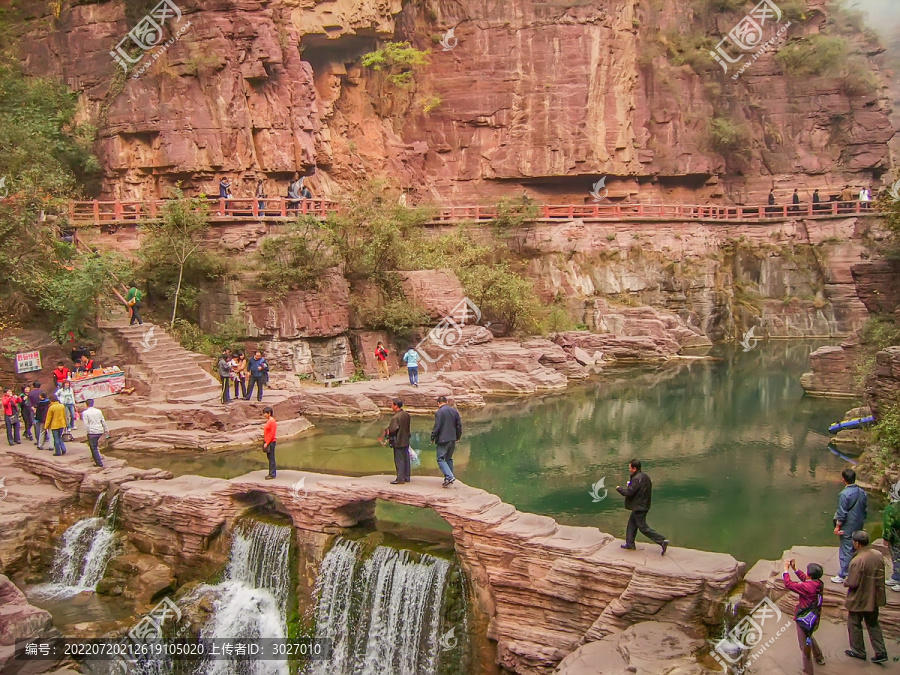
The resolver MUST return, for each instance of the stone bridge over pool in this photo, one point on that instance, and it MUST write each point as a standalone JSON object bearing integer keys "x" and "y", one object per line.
{"x": 546, "y": 588}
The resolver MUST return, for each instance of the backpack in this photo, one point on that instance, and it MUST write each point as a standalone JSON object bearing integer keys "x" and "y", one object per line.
{"x": 808, "y": 617}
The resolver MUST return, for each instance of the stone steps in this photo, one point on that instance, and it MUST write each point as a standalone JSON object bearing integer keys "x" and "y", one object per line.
{"x": 175, "y": 374}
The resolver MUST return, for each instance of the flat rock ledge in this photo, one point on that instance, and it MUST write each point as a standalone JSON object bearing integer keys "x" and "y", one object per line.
{"x": 546, "y": 588}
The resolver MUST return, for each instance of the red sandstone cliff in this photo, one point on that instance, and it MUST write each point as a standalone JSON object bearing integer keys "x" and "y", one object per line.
{"x": 549, "y": 96}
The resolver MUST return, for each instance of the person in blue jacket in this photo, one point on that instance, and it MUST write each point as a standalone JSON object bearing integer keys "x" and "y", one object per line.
{"x": 259, "y": 375}
{"x": 849, "y": 517}
{"x": 411, "y": 357}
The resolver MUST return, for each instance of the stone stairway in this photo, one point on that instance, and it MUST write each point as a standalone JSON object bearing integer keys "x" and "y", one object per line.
{"x": 176, "y": 375}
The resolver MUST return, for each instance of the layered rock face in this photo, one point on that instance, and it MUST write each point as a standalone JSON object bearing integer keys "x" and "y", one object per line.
{"x": 19, "y": 620}
{"x": 522, "y": 92}
{"x": 833, "y": 371}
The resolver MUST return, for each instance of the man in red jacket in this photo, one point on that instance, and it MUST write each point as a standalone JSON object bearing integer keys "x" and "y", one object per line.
{"x": 269, "y": 436}
{"x": 808, "y": 589}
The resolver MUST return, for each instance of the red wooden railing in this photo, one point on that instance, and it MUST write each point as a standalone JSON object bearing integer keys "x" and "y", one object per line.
{"x": 247, "y": 208}
{"x": 107, "y": 212}
{"x": 617, "y": 211}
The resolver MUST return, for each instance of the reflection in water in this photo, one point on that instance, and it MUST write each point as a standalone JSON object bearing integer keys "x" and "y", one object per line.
{"x": 738, "y": 455}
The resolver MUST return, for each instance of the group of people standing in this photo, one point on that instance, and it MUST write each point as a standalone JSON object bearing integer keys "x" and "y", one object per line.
{"x": 861, "y": 572}
{"x": 297, "y": 190}
{"x": 236, "y": 370}
{"x": 411, "y": 358}
{"x": 43, "y": 418}
{"x": 847, "y": 195}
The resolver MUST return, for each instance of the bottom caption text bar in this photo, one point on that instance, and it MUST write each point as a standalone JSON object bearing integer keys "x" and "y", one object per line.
{"x": 103, "y": 649}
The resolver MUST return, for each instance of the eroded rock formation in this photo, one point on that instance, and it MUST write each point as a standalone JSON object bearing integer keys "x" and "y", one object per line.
{"x": 546, "y": 587}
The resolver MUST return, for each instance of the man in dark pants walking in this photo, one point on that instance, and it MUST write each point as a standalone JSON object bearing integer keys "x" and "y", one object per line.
{"x": 398, "y": 434}
{"x": 270, "y": 432}
{"x": 865, "y": 594}
{"x": 637, "y": 500}
{"x": 447, "y": 431}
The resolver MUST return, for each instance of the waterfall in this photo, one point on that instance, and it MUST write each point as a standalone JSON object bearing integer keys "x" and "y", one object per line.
{"x": 383, "y": 615}
{"x": 252, "y": 600}
{"x": 85, "y": 550}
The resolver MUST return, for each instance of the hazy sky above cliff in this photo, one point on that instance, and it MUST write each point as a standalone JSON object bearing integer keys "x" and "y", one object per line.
{"x": 883, "y": 15}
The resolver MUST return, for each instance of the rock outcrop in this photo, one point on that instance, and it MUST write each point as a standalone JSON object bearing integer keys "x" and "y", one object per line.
{"x": 20, "y": 620}
{"x": 884, "y": 386}
{"x": 833, "y": 371}
{"x": 878, "y": 285}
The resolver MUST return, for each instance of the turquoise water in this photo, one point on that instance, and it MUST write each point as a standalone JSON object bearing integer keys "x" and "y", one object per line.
{"x": 738, "y": 455}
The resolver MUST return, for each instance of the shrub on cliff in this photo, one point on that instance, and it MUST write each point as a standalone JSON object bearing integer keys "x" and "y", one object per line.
{"x": 399, "y": 60}
{"x": 296, "y": 260}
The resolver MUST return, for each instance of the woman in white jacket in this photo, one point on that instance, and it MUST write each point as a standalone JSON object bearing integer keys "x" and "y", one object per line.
{"x": 67, "y": 397}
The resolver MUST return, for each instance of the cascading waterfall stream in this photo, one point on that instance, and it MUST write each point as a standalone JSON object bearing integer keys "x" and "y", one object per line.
{"x": 383, "y": 615}
{"x": 86, "y": 548}
{"x": 252, "y": 600}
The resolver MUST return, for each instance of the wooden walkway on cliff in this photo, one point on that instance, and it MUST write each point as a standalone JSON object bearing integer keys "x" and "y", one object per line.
{"x": 118, "y": 212}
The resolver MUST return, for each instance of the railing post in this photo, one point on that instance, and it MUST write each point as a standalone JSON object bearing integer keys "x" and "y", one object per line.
{"x": 571, "y": 211}
{"x": 96, "y": 212}
{"x": 617, "y": 211}
{"x": 71, "y": 211}
{"x": 255, "y": 208}
{"x": 117, "y": 210}
{"x": 477, "y": 213}
{"x": 283, "y": 207}
{"x": 153, "y": 208}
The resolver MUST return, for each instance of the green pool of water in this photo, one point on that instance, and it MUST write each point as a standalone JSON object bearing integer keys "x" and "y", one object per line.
{"x": 738, "y": 455}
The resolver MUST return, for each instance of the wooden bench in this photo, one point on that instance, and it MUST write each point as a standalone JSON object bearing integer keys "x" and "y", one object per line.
{"x": 334, "y": 380}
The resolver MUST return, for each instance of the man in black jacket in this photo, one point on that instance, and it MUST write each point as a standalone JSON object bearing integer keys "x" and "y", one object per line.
{"x": 447, "y": 430}
{"x": 637, "y": 500}
{"x": 398, "y": 434}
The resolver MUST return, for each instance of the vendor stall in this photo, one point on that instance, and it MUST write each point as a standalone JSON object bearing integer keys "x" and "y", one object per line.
{"x": 97, "y": 384}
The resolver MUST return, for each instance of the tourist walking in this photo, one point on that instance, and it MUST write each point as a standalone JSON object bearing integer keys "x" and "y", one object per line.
{"x": 66, "y": 396}
{"x": 446, "y": 432}
{"x": 795, "y": 200}
{"x": 56, "y": 425}
{"x": 411, "y": 358}
{"x": 849, "y": 517}
{"x": 95, "y": 427}
{"x": 260, "y": 194}
{"x": 61, "y": 373}
{"x": 11, "y": 417}
{"x": 398, "y": 434}
{"x": 816, "y": 199}
{"x": 270, "y": 433}
{"x": 224, "y": 188}
{"x": 41, "y": 433}
{"x": 637, "y": 499}
{"x": 223, "y": 368}
{"x": 293, "y": 193}
{"x": 808, "y": 612}
{"x": 865, "y": 196}
{"x": 381, "y": 358}
{"x": 865, "y": 594}
{"x": 27, "y": 413}
{"x": 259, "y": 375}
{"x": 134, "y": 299}
{"x": 892, "y": 535}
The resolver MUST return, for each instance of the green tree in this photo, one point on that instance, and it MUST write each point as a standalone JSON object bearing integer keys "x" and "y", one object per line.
{"x": 43, "y": 154}
{"x": 399, "y": 60}
{"x": 174, "y": 250}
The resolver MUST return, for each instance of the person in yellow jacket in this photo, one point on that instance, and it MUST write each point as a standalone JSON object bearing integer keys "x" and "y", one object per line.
{"x": 56, "y": 424}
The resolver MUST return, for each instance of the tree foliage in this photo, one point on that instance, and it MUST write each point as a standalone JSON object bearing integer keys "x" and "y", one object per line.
{"x": 43, "y": 154}
{"x": 399, "y": 60}
{"x": 175, "y": 258}
{"x": 296, "y": 260}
